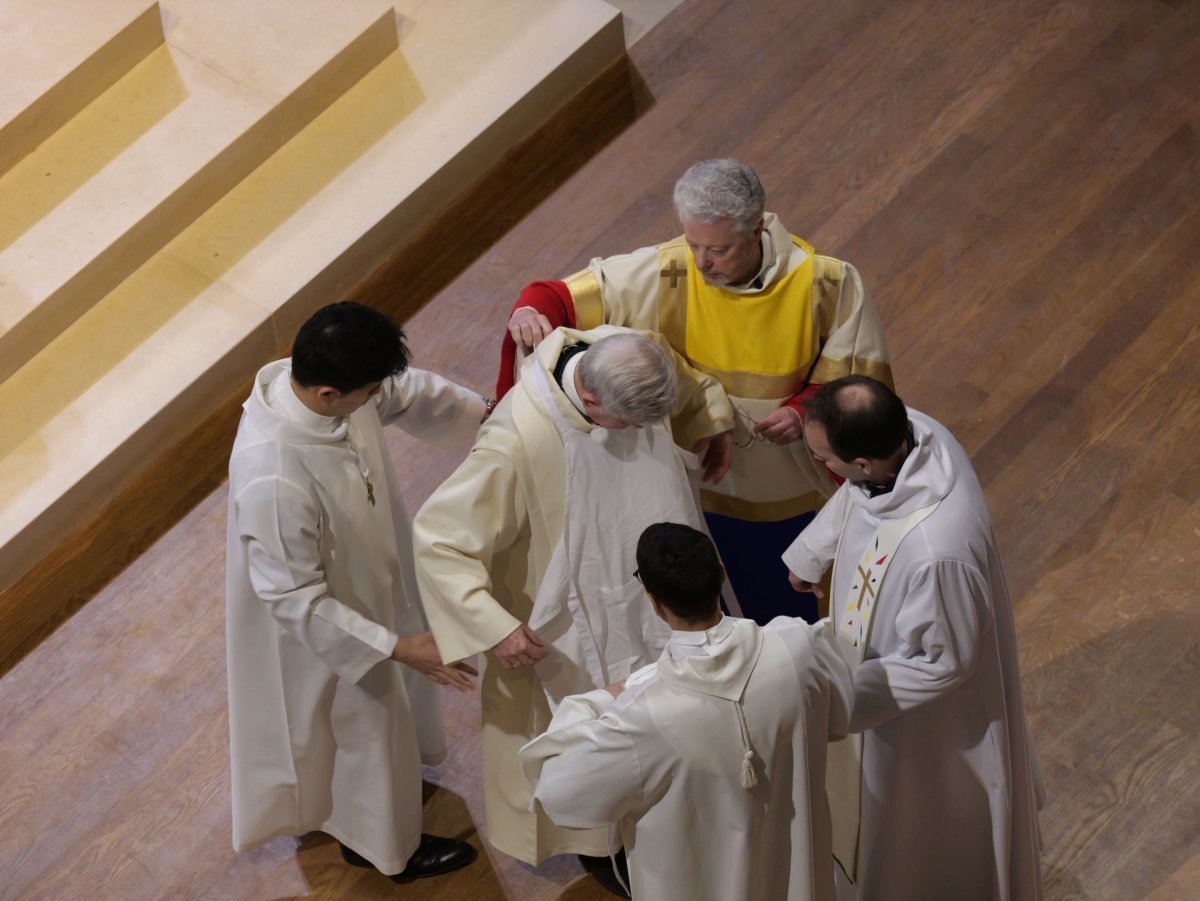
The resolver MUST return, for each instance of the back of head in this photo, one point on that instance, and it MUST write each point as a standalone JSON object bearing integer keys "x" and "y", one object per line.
{"x": 346, "y": 346}
{"x": 713, "y": 190}
{"x": 632, "y": 377}
{"x": 679, "y": 566}
{"x": 861, "y": 416}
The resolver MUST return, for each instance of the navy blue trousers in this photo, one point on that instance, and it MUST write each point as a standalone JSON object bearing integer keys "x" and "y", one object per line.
{"x": 751, "y": 552}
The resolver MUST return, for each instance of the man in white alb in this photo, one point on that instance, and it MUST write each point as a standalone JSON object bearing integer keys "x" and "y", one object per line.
{"x": 331, "y": 707}
{"x": 935, "y": 794}
{"x": 711, "y": 762}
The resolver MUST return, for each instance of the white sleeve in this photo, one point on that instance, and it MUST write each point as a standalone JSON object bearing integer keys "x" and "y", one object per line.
{"x": 944, "y": 610}
{"x": 814, "y": 548}
{"x": 837, "y": 676}
{"x": 584, "y": 769}
{"x": 430, "y": 407}
{"x": 281, "y": 526}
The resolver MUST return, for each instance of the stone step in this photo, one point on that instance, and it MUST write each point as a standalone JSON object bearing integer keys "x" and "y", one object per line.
{"x": 143, "y": 364}
{"x": 108, "y": 189}
{"x": 59, "y": 57}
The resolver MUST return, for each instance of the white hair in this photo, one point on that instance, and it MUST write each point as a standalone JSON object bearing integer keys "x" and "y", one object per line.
{"x": 713, "y": 190}
{"x": 631, "y": 377}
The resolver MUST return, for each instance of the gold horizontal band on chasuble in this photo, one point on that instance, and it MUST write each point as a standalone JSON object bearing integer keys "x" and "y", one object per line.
{"x": 759, "y": 511}
{"x": 755, "y": 385}
{"x": 827, "y": 370}
{"x": 585, "y": 295}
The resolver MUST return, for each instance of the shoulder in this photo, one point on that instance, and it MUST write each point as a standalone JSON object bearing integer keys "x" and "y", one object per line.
{"x": 634, "y": 260}
{"x": 828, "y": 271}
{"x": 265, "y": 461}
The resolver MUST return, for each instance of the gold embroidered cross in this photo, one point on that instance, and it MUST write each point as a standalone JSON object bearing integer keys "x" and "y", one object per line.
{"x": 673, "y": 274}
{"x": 866, "y": 579}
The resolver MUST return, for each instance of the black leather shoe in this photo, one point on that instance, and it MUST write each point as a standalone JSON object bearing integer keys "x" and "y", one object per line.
{"x": 437, "y": 855}
{"x": 353, "y": 858}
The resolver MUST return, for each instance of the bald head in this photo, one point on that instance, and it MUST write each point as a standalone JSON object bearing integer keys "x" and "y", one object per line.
{"x": 861, "y": 418}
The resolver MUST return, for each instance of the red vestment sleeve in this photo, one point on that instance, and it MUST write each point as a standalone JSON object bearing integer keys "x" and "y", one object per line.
{"x": 800, "y": 399}
{"x": 552, "y": 300}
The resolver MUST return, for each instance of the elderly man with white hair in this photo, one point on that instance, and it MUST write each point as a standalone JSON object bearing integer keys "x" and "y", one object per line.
{"x": 527, "y": 552}
{"x": 754, "y": 306}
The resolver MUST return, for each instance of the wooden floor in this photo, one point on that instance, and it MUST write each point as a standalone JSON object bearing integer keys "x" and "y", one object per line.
{"x": 1019, "y": 183}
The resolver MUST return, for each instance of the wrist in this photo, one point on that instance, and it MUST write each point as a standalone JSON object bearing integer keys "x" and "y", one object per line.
{"x": 400, "y": 652}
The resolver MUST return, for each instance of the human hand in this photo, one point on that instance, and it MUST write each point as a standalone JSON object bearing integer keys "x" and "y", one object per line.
{"x": 781, "y": 426}
{"x": 528, "y": 327}
{"x": 800, "y": 585}
{"x": 616, "y": 688}
{"x": 522, "y": 647}
{"x": 716, "y": 454}
{"x": 421, "y": 653}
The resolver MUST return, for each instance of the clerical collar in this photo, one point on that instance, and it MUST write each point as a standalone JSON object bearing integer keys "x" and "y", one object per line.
{"x": 686, "y": 643}
{"x": 564, "y": 373}
{"x": 874, "y": 489}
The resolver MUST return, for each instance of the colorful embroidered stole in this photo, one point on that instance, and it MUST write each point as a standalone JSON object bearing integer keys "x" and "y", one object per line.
{"x": 843, "y": 773}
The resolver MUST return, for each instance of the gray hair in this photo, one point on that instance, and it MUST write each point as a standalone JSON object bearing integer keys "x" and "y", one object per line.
{"x": 631, "y": 377}
{"x": 721, "y": 189}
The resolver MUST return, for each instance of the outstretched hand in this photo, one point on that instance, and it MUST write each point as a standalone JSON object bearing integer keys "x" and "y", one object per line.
{"x": 421, "y": 653}
{"x": 523, "y": 647}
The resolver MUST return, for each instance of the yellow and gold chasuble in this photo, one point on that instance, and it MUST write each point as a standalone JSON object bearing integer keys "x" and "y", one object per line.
{"x": 761, "y": 348}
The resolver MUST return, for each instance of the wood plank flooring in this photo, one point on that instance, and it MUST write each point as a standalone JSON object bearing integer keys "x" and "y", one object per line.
{"x": 1019, "y": 183}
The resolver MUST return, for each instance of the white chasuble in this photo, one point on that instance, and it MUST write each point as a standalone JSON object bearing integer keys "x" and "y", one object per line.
{"x": 486, "y": 542}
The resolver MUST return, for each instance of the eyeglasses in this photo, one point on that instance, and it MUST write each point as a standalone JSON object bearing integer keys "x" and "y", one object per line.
{"x": 747, "y": 423}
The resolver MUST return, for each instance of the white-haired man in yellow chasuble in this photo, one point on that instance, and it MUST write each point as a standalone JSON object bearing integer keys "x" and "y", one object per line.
{"x": 745, "y": 301}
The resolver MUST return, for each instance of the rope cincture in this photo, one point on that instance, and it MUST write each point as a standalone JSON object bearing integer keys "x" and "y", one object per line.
{"x": 749, "y": 780}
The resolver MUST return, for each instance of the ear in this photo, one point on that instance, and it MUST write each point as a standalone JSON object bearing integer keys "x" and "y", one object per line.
{"x": 327, "y": 395}
{"x": 589, "y": 398}
{"x": 758, "y": 228}
{"x": 865, "y": 465}
{"x": 658, "y": 608}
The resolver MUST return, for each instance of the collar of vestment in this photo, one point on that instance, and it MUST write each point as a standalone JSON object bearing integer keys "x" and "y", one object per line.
{"x": 926, "y": 476}
{"x": 685, "y": 643}
{"x": 724, "y": 667}
{"x": 567, "y": 381}
{"x": 274, "y": 407}
{"x": 546, "y": 355}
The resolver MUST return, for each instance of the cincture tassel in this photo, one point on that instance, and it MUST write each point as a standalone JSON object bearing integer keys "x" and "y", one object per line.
{"x": 749, "y": 780}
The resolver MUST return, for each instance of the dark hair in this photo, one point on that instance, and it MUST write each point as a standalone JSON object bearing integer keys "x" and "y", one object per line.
{"x": 679, "y": 566}
{"x": 862, "y": 417}
{"x": 346, "y": 346}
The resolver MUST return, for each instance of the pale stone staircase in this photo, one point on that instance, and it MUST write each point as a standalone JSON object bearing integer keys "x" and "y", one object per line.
{"x": 182, "y": 183}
